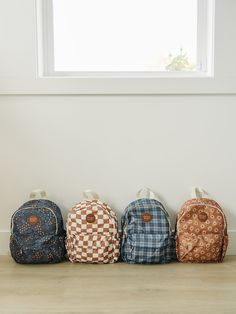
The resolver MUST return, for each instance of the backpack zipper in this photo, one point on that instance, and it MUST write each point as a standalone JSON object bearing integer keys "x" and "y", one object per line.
{"x": 167, "y": 216}
{"x": 31, "y": 207}
{"x": 212, "y": 206}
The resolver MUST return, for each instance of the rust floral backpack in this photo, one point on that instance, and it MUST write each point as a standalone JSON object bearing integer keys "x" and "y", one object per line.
{"x": 201, "y": 230}
{"x": 92, "y": 232}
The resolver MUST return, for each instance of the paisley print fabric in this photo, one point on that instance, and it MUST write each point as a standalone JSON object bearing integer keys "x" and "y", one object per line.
{"x": 201, "y": 232}
{"x": 37, "y": 234}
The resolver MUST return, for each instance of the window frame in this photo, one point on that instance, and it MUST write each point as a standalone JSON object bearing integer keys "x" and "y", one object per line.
{"x": 205, "y": 49}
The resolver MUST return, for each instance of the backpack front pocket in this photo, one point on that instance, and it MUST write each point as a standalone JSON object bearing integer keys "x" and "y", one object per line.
{"x": 148, "y": 248}
{"x": 49, "y": 249}
{"x": 200, "y": 248}
{"x": 90, "y": 248}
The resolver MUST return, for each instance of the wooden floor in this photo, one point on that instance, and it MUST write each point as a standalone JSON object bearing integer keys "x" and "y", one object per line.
{"x": 118, "y": 288}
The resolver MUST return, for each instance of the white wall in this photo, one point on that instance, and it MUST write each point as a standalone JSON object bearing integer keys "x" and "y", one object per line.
{"x": 115, "y": 145}
{"x": 18, "y": 60}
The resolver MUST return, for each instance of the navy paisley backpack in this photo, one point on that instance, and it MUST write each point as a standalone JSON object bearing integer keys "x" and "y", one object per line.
{"x": 37, "y": 233}
{"x": 146, "y": 231}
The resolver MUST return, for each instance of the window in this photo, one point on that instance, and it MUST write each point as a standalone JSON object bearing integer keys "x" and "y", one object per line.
{"x": 146, "y": 38}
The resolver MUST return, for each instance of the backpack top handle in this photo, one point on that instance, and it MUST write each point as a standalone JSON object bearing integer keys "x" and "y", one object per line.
{"x": 36, "y": 192}
{"x": 147, "y": 193}
{"x": 150, "y": 194}
{"x": 88, "y": 193}
{"x": 198, "y": 192}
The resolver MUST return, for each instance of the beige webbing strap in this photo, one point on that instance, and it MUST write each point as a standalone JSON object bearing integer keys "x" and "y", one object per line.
{"x": 147, "y": 193}
{"x": 36, "y": 192}
{"x": 89, "y": 194}
{"x": 198, "y": 192}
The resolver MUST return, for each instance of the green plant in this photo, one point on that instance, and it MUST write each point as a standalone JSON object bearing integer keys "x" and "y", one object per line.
{"x": 179, "y": 62}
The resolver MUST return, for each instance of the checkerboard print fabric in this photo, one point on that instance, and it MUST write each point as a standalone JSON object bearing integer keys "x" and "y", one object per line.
{"x": 92, "y": 233}
{"x": 146, "y": 233}
{"x": 201, "y": 232}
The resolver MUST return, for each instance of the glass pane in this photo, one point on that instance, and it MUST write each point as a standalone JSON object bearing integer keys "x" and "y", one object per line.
{"x": 125, "y": 35}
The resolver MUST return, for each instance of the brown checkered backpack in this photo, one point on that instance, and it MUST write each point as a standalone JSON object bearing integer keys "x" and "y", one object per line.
{"x": 92, "y": 232}
{"x": 201, "y": 230}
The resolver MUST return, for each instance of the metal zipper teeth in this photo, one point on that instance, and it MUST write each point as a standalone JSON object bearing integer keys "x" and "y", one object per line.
{"x": 31, "y": 207}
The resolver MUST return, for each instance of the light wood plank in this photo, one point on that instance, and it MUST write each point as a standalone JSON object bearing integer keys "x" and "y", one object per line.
{"x": 118, "y": 288}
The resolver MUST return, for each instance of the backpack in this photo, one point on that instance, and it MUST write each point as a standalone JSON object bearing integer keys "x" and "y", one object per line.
{"x": 201, "y": 230}
{"x": 92, "y": 232}
{"x": 37, "y": 234}
{"x": 147, "y": 236}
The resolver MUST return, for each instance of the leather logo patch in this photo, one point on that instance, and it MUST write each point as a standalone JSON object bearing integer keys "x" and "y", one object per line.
{"x": 33, "y": 220}
{"x": 146, "y": 217}
{"x": 202, "y": 217}
{"x": 90, "y": 218}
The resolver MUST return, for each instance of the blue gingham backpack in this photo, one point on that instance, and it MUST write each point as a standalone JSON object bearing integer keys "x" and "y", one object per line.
{"x": 147, "y": 236}
{"x": 37, "y": 233}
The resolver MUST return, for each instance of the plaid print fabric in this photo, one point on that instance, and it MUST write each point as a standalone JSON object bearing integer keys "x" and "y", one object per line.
{"x": 92, "y": 233}
{"x": 145, "y": 241}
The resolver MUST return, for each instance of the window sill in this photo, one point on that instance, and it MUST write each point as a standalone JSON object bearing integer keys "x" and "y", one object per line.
{"x": 115, "y": 85}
